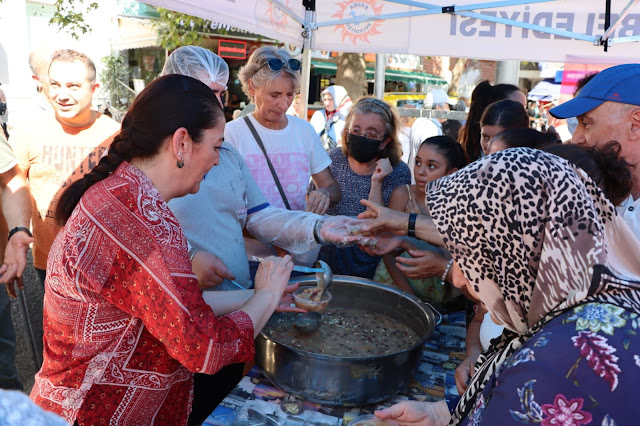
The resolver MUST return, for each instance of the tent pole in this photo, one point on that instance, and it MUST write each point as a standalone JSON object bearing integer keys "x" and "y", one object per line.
{"x": 507, "y": 72}
{"x": 307, "y": 33}
{"x": 607, "y": 21}
{"x": 378, "y": 85}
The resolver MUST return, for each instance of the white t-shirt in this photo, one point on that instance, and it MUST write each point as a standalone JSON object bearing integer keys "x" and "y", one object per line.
{"x": 630, "y": 212}
{"x": 295, "y": 152}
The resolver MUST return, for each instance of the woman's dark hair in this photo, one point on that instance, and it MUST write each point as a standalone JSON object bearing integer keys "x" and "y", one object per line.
{"x": 505, "y": 113}
{"x": 450, "y": 149}
{"x": 451, "y": 128}
{"x": 165, "y": 105}
{"x": 524, "y": 138}
{"x": 604, "y": 165}
{"x": 483, "y": 95}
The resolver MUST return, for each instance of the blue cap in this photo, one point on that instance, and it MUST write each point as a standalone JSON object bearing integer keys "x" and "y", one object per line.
{"x": 616, "y": 84}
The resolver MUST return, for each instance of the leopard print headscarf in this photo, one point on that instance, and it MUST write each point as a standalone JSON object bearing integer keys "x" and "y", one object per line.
{"x": 534, "y": 236}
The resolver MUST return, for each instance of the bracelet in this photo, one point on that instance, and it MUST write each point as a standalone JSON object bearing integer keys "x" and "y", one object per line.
{"x": 192, "y": 253}
{"x": 446, "y": 272}
{"x": 316, "y": 231}
{"x": 411, "y": 231}
{"x": 19, "y": 229}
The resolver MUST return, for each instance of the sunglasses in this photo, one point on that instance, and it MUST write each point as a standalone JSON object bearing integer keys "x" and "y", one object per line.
{"x": 276, "y": 64}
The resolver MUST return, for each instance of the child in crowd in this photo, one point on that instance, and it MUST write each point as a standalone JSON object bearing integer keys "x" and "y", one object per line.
{"x": 416, "y": 266}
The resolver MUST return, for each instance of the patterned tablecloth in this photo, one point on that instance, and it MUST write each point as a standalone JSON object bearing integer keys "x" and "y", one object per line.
{"x": 257, "y": 401}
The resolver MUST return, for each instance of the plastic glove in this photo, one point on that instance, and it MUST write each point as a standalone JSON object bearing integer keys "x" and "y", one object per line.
{"x": 417, "y": 413}
{"x": 343, "y": 231}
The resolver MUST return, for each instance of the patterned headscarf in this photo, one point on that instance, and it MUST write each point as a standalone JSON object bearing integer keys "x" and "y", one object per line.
{"x": 534, "y": 236}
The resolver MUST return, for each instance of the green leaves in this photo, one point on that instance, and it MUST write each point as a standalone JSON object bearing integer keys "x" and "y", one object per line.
{"x": 177, "y": 29}
{"x": 69, "y": 16}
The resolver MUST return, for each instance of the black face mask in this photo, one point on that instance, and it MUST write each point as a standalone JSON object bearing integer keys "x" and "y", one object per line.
{"x": 362, "y": 149}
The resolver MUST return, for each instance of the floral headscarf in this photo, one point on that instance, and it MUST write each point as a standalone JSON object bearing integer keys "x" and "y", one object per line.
{"x": 534, "y": 236}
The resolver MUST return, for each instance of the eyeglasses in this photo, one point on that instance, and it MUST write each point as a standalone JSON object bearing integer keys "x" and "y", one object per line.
{"x": 276, "y": 64}
{"x": 368, "y": 134}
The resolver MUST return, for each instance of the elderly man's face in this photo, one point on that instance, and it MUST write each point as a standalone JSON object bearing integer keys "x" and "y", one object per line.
{"x": 600, "y": 125}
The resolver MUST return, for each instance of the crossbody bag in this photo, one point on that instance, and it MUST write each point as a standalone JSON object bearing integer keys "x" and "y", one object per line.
{"x": 256, "y": 136}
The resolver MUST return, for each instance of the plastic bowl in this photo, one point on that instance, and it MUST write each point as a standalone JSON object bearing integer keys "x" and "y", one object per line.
{"x": 310, "y": 305}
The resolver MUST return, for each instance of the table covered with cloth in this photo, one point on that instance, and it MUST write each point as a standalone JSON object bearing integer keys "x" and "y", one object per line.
{"x": 257, "y": 401}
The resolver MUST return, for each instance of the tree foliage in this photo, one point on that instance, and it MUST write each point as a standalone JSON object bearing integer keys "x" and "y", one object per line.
{"x": 178, "y": 29}
{"x": 69, "y": 16}
{"x": 115, "y": 77}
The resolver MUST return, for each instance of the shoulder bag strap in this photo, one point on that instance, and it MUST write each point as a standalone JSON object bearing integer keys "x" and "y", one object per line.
{"x": 256, "y": 136}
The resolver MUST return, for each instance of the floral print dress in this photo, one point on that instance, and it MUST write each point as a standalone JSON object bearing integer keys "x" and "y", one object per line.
{"x": 582, "y": 361}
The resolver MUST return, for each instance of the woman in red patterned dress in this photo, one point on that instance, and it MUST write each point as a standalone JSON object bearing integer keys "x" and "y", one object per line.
{"x": 125, "y": 325}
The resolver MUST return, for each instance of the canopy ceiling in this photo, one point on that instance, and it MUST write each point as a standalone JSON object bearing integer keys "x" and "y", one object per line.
{"x": 534, "y": 30}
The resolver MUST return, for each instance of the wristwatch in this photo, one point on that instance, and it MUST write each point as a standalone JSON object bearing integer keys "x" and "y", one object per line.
{"x": 20, "y": 229}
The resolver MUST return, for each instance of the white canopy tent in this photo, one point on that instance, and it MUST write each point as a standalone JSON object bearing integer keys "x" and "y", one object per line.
{"x": 580, "y": 31}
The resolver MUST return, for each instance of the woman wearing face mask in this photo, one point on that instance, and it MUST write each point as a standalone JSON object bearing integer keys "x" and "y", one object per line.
{"x": 367, "y": 165}
{"x": 329, "y": 123}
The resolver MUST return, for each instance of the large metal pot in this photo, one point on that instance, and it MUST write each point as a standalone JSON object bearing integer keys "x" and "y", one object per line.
{"x": 350, "y": 381}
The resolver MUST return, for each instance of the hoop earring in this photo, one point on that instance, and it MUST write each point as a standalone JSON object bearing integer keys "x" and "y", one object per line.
{"x": 180, "y": 162}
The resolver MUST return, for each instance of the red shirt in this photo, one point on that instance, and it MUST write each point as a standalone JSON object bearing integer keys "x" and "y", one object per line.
{"x": 125, "y": 325}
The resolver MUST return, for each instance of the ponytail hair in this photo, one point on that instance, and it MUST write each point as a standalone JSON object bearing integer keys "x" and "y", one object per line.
{"x": 164, "y": 106}
{"x": 483, "y": 95}
{"x": 604, "y": 165}
{"x": 507, "y": 114}
{"x": 449, "y": 149}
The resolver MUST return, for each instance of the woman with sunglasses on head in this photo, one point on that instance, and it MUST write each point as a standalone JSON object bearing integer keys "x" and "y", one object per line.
{"x": 227, "y": 204}
{"x": 291, "y": 152}
{"x": 367, "y": 165}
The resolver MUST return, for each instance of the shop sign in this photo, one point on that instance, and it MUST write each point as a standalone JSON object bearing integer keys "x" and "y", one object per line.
{"x": 232, "y": 49}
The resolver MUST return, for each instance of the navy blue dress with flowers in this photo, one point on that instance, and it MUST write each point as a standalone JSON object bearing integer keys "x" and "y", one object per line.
{"x": 582, "y": 368}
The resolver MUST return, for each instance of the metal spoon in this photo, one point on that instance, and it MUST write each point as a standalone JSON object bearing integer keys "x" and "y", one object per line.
{"x": 308, "y": 322}
{"x": 326, "y": 275}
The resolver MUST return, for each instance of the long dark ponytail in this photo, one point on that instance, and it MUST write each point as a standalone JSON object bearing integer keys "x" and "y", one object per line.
{"x": 165, "y": 105}
{"x": 483, "y": 95}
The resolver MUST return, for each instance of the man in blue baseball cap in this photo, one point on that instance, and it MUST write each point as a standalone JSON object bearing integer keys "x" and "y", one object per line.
{"x": 608, "y": 108}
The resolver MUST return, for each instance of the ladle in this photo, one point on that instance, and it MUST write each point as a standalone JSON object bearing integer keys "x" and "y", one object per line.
{"x": 308, "y": 322}
{"x": 326, "y": 274}
{"x": 322, "y": 270}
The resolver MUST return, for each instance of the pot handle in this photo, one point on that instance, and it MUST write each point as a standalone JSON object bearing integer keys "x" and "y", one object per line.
{"x": 435, "y": 311}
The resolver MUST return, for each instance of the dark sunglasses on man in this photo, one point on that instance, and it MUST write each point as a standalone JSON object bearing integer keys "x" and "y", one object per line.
{"x": 276, "y": 64}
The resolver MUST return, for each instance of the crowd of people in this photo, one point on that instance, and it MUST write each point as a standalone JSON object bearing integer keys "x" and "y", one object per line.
{"x": 146, "y": 236}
